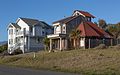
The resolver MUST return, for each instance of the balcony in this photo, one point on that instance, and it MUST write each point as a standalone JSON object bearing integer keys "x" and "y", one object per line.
{"x": 23, "y": 33}
{"x": 56, "y": 35}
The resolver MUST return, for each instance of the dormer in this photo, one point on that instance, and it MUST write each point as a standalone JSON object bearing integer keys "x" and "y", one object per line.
{"x": 85, "y": 14}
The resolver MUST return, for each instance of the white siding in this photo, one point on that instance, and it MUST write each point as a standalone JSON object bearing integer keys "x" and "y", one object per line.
{"x": 82, "y": 42}
{"x": 23, "y": 25}
{"x": 64, "y": 29}
{"x": 11, "y": 36}
{"x": 28, "y": 43}
{"x": 57, "y": 29}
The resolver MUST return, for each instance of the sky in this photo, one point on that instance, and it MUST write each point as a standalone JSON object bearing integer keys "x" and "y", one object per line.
{"x": 53, "y": 10}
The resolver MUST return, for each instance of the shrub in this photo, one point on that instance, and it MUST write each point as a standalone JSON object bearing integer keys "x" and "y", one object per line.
{"x": 101, "y": 46}
{"x": 117, "y": 46}
{"x": 17, "y": 51}
{"x": 3, "y": 48}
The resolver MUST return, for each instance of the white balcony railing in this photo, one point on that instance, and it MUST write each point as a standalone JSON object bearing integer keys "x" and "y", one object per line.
{"x": 23, "y": 33}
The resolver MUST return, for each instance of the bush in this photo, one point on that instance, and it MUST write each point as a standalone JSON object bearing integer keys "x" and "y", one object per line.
{"x": 5, "y": 53}
{"x": 17, "y": 51}
{"x": 3, "y": 48}
{"x": 101, "y": 46}
{"x": 117, "y": 46}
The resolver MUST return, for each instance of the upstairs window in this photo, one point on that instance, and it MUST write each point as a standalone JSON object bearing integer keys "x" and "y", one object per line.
{"x": 63, "y": 27}
{"x": 64, "y": 30}
{"x": 11, "y": 31}
{"x": 31, "y": 29}
{"x": 43, "y": 33}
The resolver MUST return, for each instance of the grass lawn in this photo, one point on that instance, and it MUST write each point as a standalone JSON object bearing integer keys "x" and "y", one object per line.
{"x": 86, "y": 62}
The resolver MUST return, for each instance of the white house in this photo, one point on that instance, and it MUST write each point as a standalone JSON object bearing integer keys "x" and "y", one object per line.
{"x": 27, "y": 35}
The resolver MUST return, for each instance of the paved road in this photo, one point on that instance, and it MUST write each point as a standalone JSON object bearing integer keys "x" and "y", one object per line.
{"x": 5, "y": 70}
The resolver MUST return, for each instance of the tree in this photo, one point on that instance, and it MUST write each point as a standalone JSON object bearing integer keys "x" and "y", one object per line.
{"x": 115, "y": 30}
{"x": 75, "y": 35}
{"x": 102, "y": 23}
{"x": 46, "y": 42}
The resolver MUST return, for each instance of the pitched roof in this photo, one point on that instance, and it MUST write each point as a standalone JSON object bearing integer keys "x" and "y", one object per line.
{"x": 45, "y": 25}
{"x": 65, "y": 20}
{"x": 99, "y": 30}
{"x": 15, "y": 25}
{"x": 87, "y": 14}
{"x": 89, "y": 29}
{"x": 30, "y": 21}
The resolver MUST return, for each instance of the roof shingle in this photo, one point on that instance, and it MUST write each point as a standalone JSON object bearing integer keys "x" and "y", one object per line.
{"x": 15, "y": 25}
{"x": 87, "y": 14}
{"x": 89, "y": 29}
{"x": 30, "y": 21}
{"x": 65, "y": 20}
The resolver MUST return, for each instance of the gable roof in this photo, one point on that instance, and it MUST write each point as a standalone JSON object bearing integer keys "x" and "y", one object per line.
{"x": 65, "y": 20}
{"x": 15, "y": 25}
{"x": 89, "y": 29}
{"x": 30, "y": 21}
{"x": 45, "y": 25}
{"x": 87, "y": 14}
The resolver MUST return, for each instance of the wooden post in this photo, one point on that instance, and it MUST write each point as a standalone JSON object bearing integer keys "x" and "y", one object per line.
{"x": 103, "y": 41}
{"x": 89, "y": 43}
{"x": 117, "y": 41}
{"x": 60, "y": 43}
{"x": 50, "y": 45}
{"x": 66, "y": 43}
{"x": 111, "y": 42}
{"x": 34, "y": 55}
{"x": 84, "y": 43}
{"x": 28, "y": 43}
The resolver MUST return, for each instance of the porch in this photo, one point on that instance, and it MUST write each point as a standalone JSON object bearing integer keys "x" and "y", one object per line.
{"x": 58, "y": 42}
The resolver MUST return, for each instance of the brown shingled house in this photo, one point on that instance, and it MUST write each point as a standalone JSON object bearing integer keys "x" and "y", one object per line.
{"x": 91, "y": 35}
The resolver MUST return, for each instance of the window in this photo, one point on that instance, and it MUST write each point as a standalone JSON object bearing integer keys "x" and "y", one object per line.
{"x": 63, "y": 27}
{"x": 10, "y": 41}
{"x": 11, "y": 31}
{"x": 38, "y": 40}
{"x": 42, "y": 32}
{"x": 46, "y": 33}
{"x": 31, "y": 29}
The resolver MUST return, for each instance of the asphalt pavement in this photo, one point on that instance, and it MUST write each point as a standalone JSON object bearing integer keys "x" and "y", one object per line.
{"x": 7, "y": 70}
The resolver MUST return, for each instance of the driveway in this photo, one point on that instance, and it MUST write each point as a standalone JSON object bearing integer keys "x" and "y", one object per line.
{"x": 6, "y": 70}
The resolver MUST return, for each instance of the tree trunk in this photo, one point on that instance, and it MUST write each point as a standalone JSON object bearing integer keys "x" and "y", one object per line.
{"x": 75, "y": 43}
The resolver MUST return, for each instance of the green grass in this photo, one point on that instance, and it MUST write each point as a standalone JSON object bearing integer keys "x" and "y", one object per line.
{"x": 86, "y": 62}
